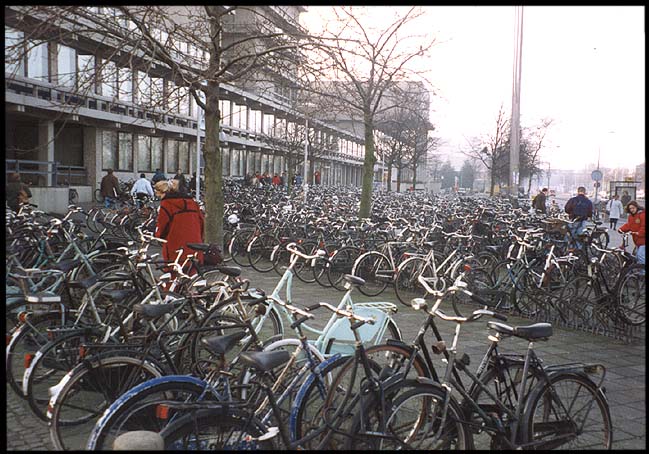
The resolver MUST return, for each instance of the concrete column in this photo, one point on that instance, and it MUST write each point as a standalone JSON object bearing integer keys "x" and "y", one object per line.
{"x": 46, "y": 150}
{"x": 136, "y": 150}
{"x": 92, "y": 155}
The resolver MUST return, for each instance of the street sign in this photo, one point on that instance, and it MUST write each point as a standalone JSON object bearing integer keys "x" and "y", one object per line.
{"x": 596, "y": 175}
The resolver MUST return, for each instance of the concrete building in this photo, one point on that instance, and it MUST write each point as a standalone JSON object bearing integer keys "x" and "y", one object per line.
{"x": 77, "y": 104}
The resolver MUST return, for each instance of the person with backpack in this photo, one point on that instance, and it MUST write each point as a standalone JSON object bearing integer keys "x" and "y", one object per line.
{"x": 579, "y": 208}
{"x": 538, "y": 203}
{"x": 180, "y": 221}
{"x": 636, "y": 225}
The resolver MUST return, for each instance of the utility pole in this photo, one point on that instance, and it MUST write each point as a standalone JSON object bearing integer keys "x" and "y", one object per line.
{"x": 514, "y": 150}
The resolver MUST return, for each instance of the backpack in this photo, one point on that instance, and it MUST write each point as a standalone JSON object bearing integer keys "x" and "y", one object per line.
{"x": 581, "y": 207}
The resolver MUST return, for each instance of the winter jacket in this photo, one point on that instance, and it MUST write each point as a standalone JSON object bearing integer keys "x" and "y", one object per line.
{"x": 614, "y": 208}
{"x": 539, "y": 202}
{"x": 579, "y": 207}
{"x": 11, "y": 193}
{"x": 635, "y": 224}
{"x": 180, "y": 221}
{"x": 109, "y": 186}
{"x": 142, "y": 186}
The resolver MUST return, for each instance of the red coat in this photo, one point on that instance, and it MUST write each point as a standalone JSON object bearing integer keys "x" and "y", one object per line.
{"x": 635, "y": 224}
{"x": 180, "y": 221}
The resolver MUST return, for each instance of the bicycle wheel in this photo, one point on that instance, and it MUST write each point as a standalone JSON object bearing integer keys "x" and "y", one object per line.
{"x": 98, "y": 197}
{"x": 406, "y": 283}
{"x": 632, "y": 296}
{"x": 414, "y": 421}
{"x": 260, "y": 253}
{"x": 376, "y": 270}
{"x": 51, "y": 363}
{"x": 577, "y": 301}
{"x": 303, "y": 269}
{"x": 238, "y": 248}
{"x": 501, "y": 294}
{"x": 227, "y": 238}
{"x": 527, "y": 297}
{"x": 23, "y": 345}
{"x": 569, "y": 412}
{"x": 143, "y": 408}
{"x": 218, "y": 429}
{"x": 341, "y": 263}
{"x": 87, "y": 391}
{"x": 385, "y": 361}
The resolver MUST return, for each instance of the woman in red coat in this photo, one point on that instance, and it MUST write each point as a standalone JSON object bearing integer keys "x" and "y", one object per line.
{"x": 636, "y": 225}
{"x": 180, "y": 221}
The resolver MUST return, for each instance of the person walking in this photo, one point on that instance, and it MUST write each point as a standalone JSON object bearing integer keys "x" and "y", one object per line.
{"x": 142, "y": 189}
{"x": 282, "y": 180}
{"x": 614, "y": 208}
{"x": 636, "y": 225}
{"x": 316, "y": 176}
{"x": 183, "y": 185}
{"x": 16, "y": 192}
{"x": 579, "y": 208}
{"x": 539, "y": 201}
{"x": 158, "y": 176}
{"x": 109, "y": 189}
{"x": 180, "y": 221}
{"x": 626, "y": 198}
{"x": 276, "y": 180}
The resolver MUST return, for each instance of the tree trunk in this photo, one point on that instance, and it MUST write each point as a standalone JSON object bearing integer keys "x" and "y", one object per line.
{"x": 368, "y": 168}
{"x": 529, "y": 185}
{"x": 414, "y": 176}
{"x": 289, "y": 173}
{"x": 389, "y": 185}
{"x": 398, "y": 179}
{"x": 213, "y": 167}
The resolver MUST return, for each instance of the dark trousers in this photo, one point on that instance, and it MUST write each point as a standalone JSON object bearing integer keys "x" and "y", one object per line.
{"x": 613, "y": 222}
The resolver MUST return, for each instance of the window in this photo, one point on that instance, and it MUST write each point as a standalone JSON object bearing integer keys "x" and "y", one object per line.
{"x": 227, "y": 164}
{"x": 37, "y": 64}
{"x": 143, "y": 88}
{"x": 125, "y": 151}
{"x": 236, "y": 116}
{"x": 192, "y": 155}
{"x": 157, "y": 92}
{"x": 183, "y": 156}
{"x": 172, "y": 156}
{"x": 156, "y": 153}
{"x": 108, "y": 79}
{"x": 109, "y": 149}
{"x": 184, "y": 101}
{"x": 125, "y": 84}
{"x": 226, "y": 117}
{"x": 144, "y": 153}
{"x": 255, "y": 121}
{"x": 269, "y": 120}
{"x": 14, "y": 56}
{"x": 66, "y": 66}
{"x": 86, "y": 73}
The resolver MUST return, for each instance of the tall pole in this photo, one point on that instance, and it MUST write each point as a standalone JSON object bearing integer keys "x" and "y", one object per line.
{"x": 306, "y": 155}
{"x": 514, "y": 150}
{"x": 198, "y": 153}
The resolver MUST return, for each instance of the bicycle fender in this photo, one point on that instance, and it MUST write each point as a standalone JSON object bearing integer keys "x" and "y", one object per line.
{"x": 302, "y": 392}
{"x": 92, "y": 439}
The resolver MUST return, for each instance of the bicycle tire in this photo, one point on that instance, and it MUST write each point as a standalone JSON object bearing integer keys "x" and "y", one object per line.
{"x": 136, "y": 410}
{"x": 303, "y": 269}
{"x": 545, "y": 415}
{"x": 632, "y": 296}
{"x": 341, "y": 263}
{"x": 97, "y": 196}
{"x": 406, "y": 283}
{"x": 414, "y": 414}
{"x": 373, "y": 267}
{"x": 87, "y": 391}
{"x": 260, "y": 253}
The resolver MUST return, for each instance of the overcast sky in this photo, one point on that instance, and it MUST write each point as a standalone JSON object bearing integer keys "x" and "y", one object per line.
{"x": 584, "y": 67}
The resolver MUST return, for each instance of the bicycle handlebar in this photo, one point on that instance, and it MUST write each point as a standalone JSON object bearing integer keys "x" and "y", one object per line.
{"x": 291, "y": 248}
{"x": 343, "y": 313}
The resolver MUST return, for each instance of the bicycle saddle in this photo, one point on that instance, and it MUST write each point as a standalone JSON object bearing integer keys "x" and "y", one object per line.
{"x": 67, "y": 265}
{"x": 198, "y": 246}
{"x": 232, "y": 271}
{"x": 219, "y": 345}
{"x": 152, "y": 311}
{"x": 43, "y": 298}
{"x": 537, "y": 331}
{"x": 354, "y": 280}
{"x": 265, "y": 361}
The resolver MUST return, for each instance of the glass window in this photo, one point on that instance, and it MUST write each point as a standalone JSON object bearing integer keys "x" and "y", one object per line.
{"x": 226, "y": 114}
{"x": 183, "y": 155}
{"x": 269, "y": 120}
{"x": 37, "y": 67}
{"x": 236, "y": 116}
{"x": 66, "y": 66}
{"x": 143, "y": 153}
{"x": 157, "y": 92}
{"x": 183, "y": 93}
{"x": 156, "y": 153}
{"x": 172, "y": 156}
{"x": 14, "y": 53}
{"x": 143, "y": 88}
{"x": 125, "y": 84}
{"x": 243, "y": 116}
{"x": 227, "y": 164}
{"x": 125, "y": 151}
{"x": 108, "y": 79}
{"x": 192, "y": 154}
{"x": 86, "y": 73}
{"x": 109, "y": 149}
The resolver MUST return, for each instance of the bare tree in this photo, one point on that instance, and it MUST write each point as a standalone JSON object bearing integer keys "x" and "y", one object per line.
{"x": 368, "y": 62}
{"x": 184, "y": 44}
{"x": 491, "y": 149}
{"x": 533, "y": 141}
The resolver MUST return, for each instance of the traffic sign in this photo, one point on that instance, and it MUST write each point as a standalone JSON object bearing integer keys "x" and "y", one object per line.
{"x": 596, "y": 175}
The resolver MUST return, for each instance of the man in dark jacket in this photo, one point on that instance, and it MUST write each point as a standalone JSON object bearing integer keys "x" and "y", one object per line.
{"x": 183, "y": 185}
{"x": 158, "y": 176}
{"x": 13, "y": 189}
{"x": 109, "y": 188}
{"x": 580, "y": 208}
{"x": 539, "y": 201}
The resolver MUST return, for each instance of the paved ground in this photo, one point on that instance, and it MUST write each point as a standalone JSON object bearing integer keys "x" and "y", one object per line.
{"x": 625, "y": 363}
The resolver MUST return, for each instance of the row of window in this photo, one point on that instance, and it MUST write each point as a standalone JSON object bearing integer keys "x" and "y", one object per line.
{"x": 90, "y": 74}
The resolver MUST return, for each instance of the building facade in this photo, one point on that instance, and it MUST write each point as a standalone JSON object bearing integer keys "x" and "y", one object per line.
{"x": 77, "y": 106}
